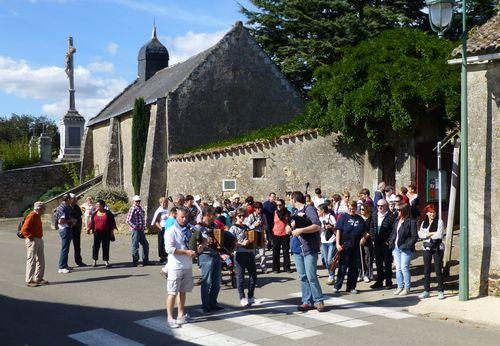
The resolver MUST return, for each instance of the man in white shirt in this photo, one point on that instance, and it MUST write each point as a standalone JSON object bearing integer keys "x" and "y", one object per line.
{"x": 179, "y": 267}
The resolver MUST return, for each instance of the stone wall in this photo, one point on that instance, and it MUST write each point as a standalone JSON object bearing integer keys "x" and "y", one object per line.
{"x": 291, "y": 162}
{"x": 484, "y": 175}
{"x": 126, "y": 143}
{"x": 236, "y": 90}
{"x": 20, "y": 188}
{"x": 100, "y": 141}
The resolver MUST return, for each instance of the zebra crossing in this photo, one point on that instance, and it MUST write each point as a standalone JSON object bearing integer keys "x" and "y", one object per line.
{"x": 249, "y": 326}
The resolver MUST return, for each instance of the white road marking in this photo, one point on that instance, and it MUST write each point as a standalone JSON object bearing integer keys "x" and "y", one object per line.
{"x": 102, "y": 337}
{"x": 269, "y": 325}
{"x": 190, "y": 332}
{"x": 369, "y": 310}
{"x": 327, "y": 317}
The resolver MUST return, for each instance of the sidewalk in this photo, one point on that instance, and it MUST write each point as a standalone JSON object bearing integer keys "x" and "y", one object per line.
{"x": 485, "y": 310}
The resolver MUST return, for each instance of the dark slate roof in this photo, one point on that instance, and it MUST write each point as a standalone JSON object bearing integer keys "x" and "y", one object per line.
{"x": 163, "y": 82}
{"x": 485, "y": 40}
{"x": 152, "y": 47}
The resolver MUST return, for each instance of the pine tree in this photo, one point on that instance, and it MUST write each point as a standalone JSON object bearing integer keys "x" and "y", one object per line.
{"x": 301, "y": 35}
{"x": 140, "y": 126}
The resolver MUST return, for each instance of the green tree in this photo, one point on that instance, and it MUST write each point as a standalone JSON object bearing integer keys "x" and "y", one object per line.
{"x": 301, "y": 35}
{"x": 140, "y": 126}
{"x": 381, "y": 88}
{"x": 25, "y": 126}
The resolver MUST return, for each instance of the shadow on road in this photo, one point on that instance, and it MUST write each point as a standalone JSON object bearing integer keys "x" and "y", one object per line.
{"x": 28, "y": 322}
{"x": 101, "y": 278}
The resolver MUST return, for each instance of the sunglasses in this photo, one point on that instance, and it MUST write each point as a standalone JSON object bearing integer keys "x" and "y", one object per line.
{"x": 380, "y": 205}
{"x": 362, "y": 209}
{"x": 240, "y": 215}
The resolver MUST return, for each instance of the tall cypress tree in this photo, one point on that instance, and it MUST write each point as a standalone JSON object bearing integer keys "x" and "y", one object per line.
{"x": 140, "y": 126}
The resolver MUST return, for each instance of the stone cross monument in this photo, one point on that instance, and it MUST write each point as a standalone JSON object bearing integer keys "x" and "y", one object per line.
{"x": 72, "y": 124}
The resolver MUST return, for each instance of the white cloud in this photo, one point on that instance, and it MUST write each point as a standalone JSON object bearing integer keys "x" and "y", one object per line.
{"x": 50, "y": 84}
{"x": 182, "y": 47}
{"x": 112, "y": 48}
{"x": 104, "y": 66}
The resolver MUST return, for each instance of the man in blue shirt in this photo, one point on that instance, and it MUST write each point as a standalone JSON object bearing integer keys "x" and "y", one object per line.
{"x": 305, "y": 227}
{"x": 350, "y": 229}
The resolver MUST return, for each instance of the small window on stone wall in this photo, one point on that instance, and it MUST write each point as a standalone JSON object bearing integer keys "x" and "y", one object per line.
{"x": 259, "y": 168}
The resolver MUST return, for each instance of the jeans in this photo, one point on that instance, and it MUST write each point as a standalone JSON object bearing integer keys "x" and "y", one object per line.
{"x": 245, "y": 260}
{"x": 103, "y": 238}
{"x": 138, "y": 237}
{"x": 210, "y": 279}
{"x": 383, "y": 259}
{"x": 309, "y": 284}
{"x": 402, "y": 259}
{"x": 348, "y": 263}
{"x": 281, "y": 243}
{"x": 76, "y": 235}
{"x": 328, "y": 250}
{"x": 161, "y": 245}
{"x": 66, "y": 237}
{"x": 438, "y": 268}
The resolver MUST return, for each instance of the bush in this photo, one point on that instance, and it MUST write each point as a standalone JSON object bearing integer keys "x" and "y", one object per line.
{"x": 51, "y": 193}
{"x": 17, "y": 154}
{"x": 115, "y": 197}
{"x": 119, "y": 207}
{"x": 109, "y": 194}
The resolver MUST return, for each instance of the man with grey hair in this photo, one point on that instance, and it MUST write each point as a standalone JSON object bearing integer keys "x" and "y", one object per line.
{"x": 380, "y": 229}
{"x": 35, "y": 260}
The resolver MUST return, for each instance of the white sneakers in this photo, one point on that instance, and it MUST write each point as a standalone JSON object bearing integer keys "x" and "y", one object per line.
{"x": 173, "y": 324}
{"x": 244, "y": 302}
{"x": 366, "y": 279}
{"x": 63, "y": 271}
{"x": 402, "y": 292}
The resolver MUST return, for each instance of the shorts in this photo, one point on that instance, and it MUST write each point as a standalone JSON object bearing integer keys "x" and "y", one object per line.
{"x": 179, "y": 280}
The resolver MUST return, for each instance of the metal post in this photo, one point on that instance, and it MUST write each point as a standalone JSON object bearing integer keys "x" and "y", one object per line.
{"x": 451, "y": 206}
{"x": 464, "y": 181}
{"x": 440, "y": 199}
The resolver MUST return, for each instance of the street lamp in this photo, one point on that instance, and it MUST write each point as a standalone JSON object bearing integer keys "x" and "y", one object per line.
{"x": 440, "y": 14}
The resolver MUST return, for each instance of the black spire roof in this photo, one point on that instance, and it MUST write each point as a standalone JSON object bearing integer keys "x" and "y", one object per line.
{"x": 153, "y": 57}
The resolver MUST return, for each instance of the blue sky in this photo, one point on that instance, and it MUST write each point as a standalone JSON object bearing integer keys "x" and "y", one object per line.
{"x": 107, "y": 35}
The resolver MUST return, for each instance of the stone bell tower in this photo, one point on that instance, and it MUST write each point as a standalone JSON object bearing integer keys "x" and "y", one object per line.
{"x": 72, "y": 124}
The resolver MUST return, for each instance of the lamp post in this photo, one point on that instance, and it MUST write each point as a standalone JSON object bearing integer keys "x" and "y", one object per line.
{"x": 440, "y": 14}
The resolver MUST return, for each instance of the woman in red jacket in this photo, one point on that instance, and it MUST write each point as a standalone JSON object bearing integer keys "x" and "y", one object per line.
{"x": 102, "y": 225}
{"x": 281, "y": 240}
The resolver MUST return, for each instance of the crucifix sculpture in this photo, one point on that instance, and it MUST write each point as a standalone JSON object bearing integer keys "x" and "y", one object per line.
{"x": 70, "y": 73}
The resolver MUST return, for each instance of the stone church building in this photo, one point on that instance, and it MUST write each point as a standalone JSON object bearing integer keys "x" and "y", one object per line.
{"x": 229, "y": 89}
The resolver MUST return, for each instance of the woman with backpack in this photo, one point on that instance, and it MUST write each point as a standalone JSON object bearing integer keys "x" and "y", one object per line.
{"x": 102, "y": 225}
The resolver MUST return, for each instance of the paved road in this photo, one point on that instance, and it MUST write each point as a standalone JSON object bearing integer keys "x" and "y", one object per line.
{"x": 125, "y": 306}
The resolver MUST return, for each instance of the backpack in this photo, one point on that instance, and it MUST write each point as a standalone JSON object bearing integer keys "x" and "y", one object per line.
{"x": 55, "y": 218}
{"x": 19, "y": 227}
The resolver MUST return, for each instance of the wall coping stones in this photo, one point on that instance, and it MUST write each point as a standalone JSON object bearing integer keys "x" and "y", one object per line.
{"x": 241, "y": 146}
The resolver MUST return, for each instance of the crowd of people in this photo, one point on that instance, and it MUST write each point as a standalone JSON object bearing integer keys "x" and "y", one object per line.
{"x": 350, "y": 235}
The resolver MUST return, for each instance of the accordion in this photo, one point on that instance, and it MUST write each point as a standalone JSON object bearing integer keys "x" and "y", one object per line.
{"x": 225, "y": 241}
{"x": 256, "y": 240}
